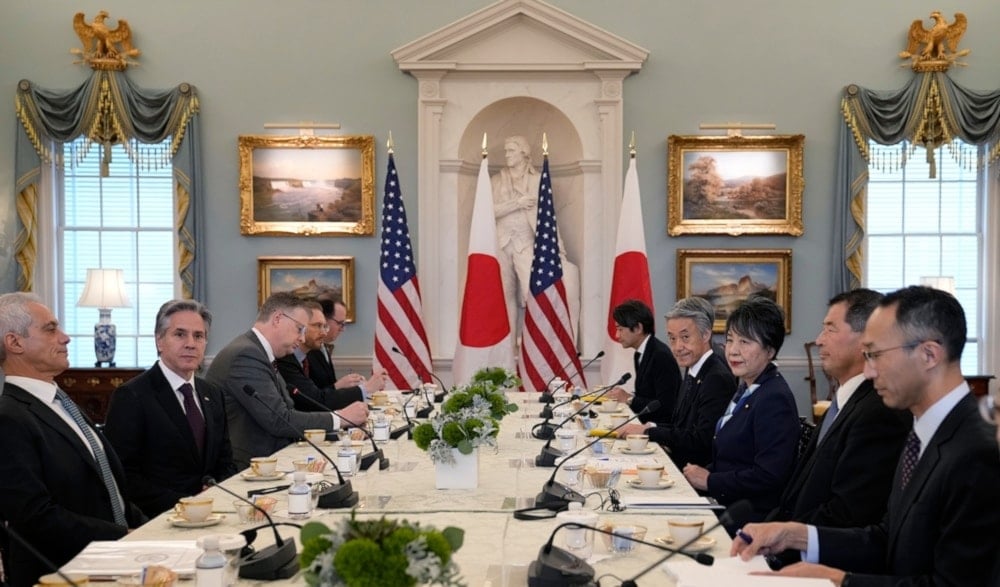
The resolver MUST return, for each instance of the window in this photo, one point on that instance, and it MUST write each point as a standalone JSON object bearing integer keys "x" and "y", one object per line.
{"x": 122, "y": 221}
{"x": 918, "y": 226}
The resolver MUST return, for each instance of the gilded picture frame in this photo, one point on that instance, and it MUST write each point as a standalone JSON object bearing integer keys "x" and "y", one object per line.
{"x": 735, "y": 185}
{"x": 308, "y": 278}
{"x": 726, "y": 277}
{"x": 307, "y": 185}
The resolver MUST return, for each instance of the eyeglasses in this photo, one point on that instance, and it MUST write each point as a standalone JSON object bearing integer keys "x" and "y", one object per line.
{"x": 871, "y": 356}
{"x": 989, "y": 409}
{"x": 340, "y": 323}
{"x": 302, "y": 327}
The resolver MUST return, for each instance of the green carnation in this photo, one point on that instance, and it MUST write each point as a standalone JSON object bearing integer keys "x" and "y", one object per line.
{"x": 423, "y": 435}
{"x": 452, "y": 433}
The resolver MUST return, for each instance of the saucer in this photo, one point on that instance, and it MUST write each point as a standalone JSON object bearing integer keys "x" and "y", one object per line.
{"x": 663, "y": 484}
{"x": 180, "y": 522}
{"x": 251, "y": 476}
{"x": 646, "y": 451}
{"x": 601, "y": 409}
{"x": 700, "y": 545}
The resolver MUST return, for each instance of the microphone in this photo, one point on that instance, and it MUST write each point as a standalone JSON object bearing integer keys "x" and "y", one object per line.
{"x": 556, "y": 496}
{"x": 556, "y": 567}
{"x": 409, "y": 423}
{"x": 438, "y": 397}
{"x": 546, "y": 397}
{"x": 46, "y": 561}
{"x": 738, "y": 511}
{"x": 546, "y": 430}
{"x": 277, "y": 561}
{"x": 366, "y": 460}
{"x": 341, "y": 496}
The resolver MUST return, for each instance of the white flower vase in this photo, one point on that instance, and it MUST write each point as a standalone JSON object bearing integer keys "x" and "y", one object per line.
{"x": 462, "y": 474}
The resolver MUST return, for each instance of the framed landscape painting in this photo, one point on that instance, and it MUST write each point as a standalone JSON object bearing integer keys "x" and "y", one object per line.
{"x": 308, "y": 278}
{"x": 734, "y": 185}
{"x": 727, "y": 277}
{"x": 307, "y": 185}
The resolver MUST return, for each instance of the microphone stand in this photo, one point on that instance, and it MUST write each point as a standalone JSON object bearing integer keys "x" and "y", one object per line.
{"x": 343, "y": 496}
{"x": 438, "y": 397}
{"x": 738, "y": 511}
{"x": 548, "y": 456}
{"x": 366, "y": 460}
{"x": 546, "y": 397}
{"x": 555, "y": 566}
{"x": 409, "y": 423}
{"x": 556, "y": 496}
{"x": 277, "y": 561}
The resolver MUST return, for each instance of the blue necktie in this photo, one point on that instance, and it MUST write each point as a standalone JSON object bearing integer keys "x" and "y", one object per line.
{"x": 102, "y": 460}
{"x": 828, "y": 419}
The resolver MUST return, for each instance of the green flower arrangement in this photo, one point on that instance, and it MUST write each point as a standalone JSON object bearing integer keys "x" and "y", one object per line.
{"x": 374, "y": 553}
{"x": 469, "y": 418}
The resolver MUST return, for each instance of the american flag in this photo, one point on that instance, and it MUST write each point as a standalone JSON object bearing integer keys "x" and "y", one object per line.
{"x": 399, "y": 323}
{"x": 547, "y": 341}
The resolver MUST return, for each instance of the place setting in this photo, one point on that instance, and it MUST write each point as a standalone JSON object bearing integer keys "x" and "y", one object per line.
{"x": 684, "y": 531}
{"x": 263, "y": 469}
{"x": 637, "y": 445}
{"x": 194, "y": 512}
{"x": 649, "y": 477}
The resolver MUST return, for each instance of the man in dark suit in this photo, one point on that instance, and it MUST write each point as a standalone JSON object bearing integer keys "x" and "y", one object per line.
{"x": 708, "y": 386}
{"x": 325, "y": 375}
{"x": 61, "y": 483}
{"x": 657, "y": 375}
{"x": 261, "y": 414}
{"x": 168, "y": 426}
{"x": 942, "y": 520}
{"x": 308, "y": 359}
{"x": 844, "y": 477}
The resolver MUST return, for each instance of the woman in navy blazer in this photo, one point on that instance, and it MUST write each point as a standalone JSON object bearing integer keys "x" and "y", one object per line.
{"x": 755, "y": 441}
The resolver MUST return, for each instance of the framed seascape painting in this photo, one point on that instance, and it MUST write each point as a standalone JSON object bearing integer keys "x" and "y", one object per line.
{"x": 727, "y": 277}
{"x": 734, "y": 185}
{"x": 307, "y": 185}
{"x": 308, "y": 278}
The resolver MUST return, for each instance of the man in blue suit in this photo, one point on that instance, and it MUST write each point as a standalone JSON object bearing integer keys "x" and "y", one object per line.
{"x": 942, "y": 520}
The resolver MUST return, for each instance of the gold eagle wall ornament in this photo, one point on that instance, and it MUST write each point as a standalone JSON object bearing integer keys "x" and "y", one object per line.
{"x": 940, "y": 43}
{"x": 104, "y": 47}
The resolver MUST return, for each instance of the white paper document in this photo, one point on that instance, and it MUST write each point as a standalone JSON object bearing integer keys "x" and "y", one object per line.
{"x": 671, "y": 502}
{"x": 128, "y": 557}
{"x": 732, "y": 571}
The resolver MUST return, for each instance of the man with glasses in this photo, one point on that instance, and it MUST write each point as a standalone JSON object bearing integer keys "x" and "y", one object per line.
{"x": 321, "y": 368}
{"x": 942, "y": 520}
{"x": 298, "y": 367}
{"x": 262, "y": 416}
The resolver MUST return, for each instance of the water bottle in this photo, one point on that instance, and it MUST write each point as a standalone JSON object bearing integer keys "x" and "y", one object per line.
{"x": 299, "y": 497}
{"x": 210, "y": 568}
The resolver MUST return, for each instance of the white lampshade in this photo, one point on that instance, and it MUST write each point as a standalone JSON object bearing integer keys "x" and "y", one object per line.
{"x": 105, "y": 288}
{"x": 944, "y": 283}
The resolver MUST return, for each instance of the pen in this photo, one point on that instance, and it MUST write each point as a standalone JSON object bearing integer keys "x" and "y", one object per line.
{"x": 744, "y": 536}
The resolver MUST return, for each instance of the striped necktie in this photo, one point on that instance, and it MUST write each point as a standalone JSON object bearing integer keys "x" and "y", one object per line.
{"x": 117, "y": 508}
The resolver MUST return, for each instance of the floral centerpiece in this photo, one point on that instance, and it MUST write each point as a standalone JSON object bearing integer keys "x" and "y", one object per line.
{"x": 371, "y": 553}
{"x": 469, "y": 418}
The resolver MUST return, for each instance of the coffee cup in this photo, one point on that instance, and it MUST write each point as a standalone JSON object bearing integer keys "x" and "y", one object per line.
{"x": 684, "y": 531}
{"x": 609, "y": 406}
{"x": 649, "y": 474}
{"x": 315, "y": 435}
{"x": 565, "y": 439}
{"x": 194, "y": 509}
{"x": 618, "y": 419}
{"x": 263, "y": 466}
{"x": 380, "y": 398}
{"x": 637, "y": 442}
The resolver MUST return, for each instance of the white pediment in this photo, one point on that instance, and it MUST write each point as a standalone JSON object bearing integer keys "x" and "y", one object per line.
{"x": 520, "y": 35}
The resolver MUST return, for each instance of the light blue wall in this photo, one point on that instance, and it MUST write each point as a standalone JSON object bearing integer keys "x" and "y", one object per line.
{"x": 257, "y": 61}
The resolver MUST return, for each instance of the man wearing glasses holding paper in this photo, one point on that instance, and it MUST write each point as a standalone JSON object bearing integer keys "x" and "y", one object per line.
{"x": 942, "y": 520}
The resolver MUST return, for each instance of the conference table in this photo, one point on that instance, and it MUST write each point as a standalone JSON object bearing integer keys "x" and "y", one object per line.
{"x": 497, "y": 548}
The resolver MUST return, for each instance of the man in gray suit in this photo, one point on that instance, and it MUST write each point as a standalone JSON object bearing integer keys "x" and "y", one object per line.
{"x": 261, "y": 413}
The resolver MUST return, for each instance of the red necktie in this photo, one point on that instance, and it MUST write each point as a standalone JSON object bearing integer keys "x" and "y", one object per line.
{"x": 194, "y": 417}
{"x": 305, "y": 366}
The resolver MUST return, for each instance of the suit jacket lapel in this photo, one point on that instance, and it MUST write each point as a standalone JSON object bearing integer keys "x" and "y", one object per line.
{"x": 167, "y": 399}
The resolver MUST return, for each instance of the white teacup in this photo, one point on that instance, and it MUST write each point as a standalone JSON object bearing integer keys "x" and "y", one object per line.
{"x": 315, "y": 435}
{"x": 637, "y": 442}
{"x": 565, "y": 439}
{"x": 264, "y": 466}
{"x": 684, "y": 531}
{"x": 618, "y": 419}
{"x": 609, "y": 406}
{"x": 649, "y": 473}
{"x": 194, "y": 509}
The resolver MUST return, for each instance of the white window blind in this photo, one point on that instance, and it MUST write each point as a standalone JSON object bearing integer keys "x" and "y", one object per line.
{"x": 124, "y": 221}
{"x": 918, "y": 226}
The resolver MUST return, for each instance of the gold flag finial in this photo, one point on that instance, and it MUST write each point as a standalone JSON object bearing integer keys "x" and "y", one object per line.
{"x": 631, "y": 146}
{"x": 545, "y": 145}
{"x": 389, "y": 144}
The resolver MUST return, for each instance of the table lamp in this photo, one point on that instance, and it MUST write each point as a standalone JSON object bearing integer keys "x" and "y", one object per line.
{"x": 105, "y": 289}
{"x": 944, "y": 283}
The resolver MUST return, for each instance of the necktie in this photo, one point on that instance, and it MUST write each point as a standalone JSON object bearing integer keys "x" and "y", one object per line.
{"x": 274, "y": 365}
{"x": 635, "y": 360}
{"x": 305, "y": 366}
{"x": 686, "y": 388}
{"x": 117, "y": 510}
{"x": 328, "y": 355}
{"x": 194, "y": 417}
{"x": 831, "y": 413}
{"x": 911, "y": 454}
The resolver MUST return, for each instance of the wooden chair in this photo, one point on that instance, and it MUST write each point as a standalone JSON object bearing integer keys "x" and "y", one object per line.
{"x": 819, "y": 407}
